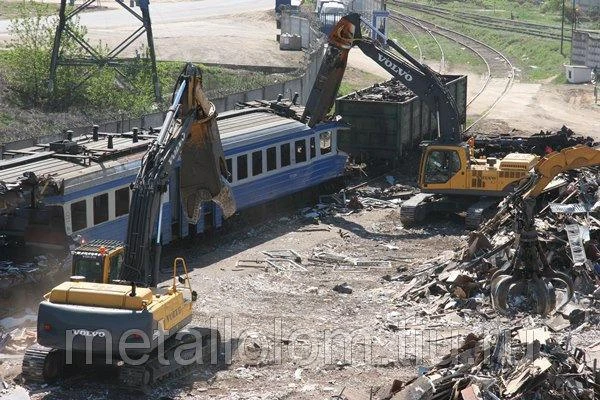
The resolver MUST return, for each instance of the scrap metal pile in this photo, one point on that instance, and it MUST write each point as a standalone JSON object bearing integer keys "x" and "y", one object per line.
{"x": 568, "y": 226}
{"x": 539, "y": 143}
{"x": 512, "y": 364}
{"x": 392, "y": 90}
{"x": 13, "y": 274}
{"x": 19, "y": 192}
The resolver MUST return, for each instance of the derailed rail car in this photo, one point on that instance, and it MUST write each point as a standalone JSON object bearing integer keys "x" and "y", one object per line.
{"x": 386, "y": 130}
{"x": 269, "y": 157}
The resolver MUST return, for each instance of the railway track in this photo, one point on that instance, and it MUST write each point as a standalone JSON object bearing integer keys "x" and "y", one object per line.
{"x": 410, "y": 32}
{"x": 498, "y": 66}
{"x": 411, "y": 21}
{"x": 508, "y": 25}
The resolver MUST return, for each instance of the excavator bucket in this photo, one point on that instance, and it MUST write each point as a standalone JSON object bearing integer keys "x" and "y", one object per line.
{"x": 203, "y": 172}
{"x": 331, "y": 71}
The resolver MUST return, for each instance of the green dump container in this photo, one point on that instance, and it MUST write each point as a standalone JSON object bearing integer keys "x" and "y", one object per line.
{"x": 385, "y": 130}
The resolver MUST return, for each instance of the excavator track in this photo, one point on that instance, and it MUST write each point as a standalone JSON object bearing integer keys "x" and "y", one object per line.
{"x": 152, "y": 373}
{"x": 411, "y": 211}
{"x": 42, "y": 364}
{"x": 476, "y": 213}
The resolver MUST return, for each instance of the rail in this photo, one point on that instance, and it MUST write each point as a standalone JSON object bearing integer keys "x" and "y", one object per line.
{"x": 497, "y": 64}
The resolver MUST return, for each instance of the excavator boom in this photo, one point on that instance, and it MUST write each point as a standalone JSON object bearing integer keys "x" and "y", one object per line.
{"x": 421, "y": 79}
{"x": 190, "y": 132}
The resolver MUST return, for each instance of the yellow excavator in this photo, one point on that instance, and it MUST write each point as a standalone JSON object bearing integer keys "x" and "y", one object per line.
{"x": 451, "y": 179}
{"x": 529, "y": 271}
{"x": 110, "y": 311}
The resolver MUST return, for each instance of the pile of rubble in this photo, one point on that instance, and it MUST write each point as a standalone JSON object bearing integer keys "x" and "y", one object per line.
{"x": 539, "y": 143}
{"x": 512, "y": 364}
{"x": 14, "y": 274}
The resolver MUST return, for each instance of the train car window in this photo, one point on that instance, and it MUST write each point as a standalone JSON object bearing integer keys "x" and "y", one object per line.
{"x": 100, "y": 208}
{"x": 257, "y": 163}
{"x": 300, "y": 151}
{"x": 285, "y": 155}
{"x": 121, "y": 201}
{"x": 325, "y": 142}
{"x": 313, "y": 148}
{"x": 242, "y": 167}
{"x": 230, "y": 169}
{"x": 271, "y": 158}
{"x": 78, "y": 215}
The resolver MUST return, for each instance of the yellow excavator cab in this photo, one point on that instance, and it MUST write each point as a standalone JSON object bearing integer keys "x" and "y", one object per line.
{"x": 98, "y": 260}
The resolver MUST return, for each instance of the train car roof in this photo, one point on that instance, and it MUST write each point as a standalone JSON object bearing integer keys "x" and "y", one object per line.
{"x": 239, "y": 129}
{"x": 249, "y": 126}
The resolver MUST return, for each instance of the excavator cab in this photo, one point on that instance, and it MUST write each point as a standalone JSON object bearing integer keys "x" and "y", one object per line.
{"x": 443, "y": 167}
{"x": 98, "y": 261}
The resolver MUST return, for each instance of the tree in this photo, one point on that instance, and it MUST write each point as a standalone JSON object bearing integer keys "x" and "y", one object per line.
{"x": 27, "y": 62}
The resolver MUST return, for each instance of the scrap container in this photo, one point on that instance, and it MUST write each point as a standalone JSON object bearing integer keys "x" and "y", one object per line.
{"x": 386, "y": 130}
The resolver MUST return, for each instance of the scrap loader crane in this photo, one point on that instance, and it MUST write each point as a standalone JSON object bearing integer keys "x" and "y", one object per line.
{"x": 529, "y": 272}
{"x": 451, "y": 180}
{"x": 108, "y": 311}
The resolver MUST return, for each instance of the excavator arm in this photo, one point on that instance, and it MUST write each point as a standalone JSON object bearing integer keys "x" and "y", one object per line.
{"x": 555, "y": 163}
{"x": 421, "y": 79}
{"x": 189, "y": 132}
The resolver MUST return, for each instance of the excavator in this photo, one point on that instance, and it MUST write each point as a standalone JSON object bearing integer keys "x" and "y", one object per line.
{"x": 529, "y": 272}
{"x": 111, "y": 310}
{"x": 451, "y": 179}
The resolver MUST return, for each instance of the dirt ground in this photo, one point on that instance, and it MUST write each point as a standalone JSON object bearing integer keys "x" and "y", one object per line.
{"x": 290, "y": 334}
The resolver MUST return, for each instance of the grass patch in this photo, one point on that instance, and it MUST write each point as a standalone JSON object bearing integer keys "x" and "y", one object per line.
{"x": 13, "y": 9}
{"x": 536, "y": 58}
{"x": 454, "y": 53}
{"x": 548, "y": 12}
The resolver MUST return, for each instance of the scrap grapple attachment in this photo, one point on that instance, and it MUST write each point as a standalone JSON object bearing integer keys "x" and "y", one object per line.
{"x": 528, "y": 279}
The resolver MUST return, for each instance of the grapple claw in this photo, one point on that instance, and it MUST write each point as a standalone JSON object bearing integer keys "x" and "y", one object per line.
{"x": 500, "y": 288}
{"x": 544, "y": 295}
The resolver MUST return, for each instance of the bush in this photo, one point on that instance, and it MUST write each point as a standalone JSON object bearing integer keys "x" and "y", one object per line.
{"x": 25, "y": 67}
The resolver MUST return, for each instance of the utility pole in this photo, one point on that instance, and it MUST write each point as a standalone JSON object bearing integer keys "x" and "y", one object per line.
{"x": 562, "y": 28}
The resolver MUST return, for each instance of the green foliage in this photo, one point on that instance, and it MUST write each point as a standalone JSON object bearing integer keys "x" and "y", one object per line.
{"x": 25, "y": 67}
{"x": 536, "y": 58}
{"x": 12, "y": 9}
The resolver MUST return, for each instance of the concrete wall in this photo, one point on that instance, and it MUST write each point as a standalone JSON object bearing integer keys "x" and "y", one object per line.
{"x": 585, "y": 50}
{"x": 294, "y": 24}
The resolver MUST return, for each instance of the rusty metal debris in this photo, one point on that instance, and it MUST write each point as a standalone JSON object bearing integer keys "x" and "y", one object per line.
{"x": 539, "y": 143}
{"x": 392, "y": 90}
{"x": 568, "y": 242}
{"x": 512, "y": 364}
{"x": 13, "y": 274}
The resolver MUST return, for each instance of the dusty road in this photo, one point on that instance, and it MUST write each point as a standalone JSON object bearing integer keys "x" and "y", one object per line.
{"x": 230, "y": 32}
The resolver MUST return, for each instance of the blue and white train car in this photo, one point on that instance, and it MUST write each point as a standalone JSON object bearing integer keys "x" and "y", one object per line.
{"x": 269, "y": 157}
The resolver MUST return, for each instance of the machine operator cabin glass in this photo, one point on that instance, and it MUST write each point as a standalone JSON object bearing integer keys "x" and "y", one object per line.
{"x": 441, "y": 165}
{"x": 115, "y": 266}
{"x": 91, "y": 268}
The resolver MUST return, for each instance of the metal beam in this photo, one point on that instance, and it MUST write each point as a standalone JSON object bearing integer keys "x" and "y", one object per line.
{"x": 94, "y": 57}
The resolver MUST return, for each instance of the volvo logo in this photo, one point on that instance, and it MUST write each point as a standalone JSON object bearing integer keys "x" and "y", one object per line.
{"x": 85, "y": 332}
{"x": 394, "y": 67}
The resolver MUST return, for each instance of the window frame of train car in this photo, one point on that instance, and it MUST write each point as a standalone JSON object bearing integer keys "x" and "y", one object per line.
{"x": 317, "y": 137}
{"x": 89, "y": 207}
{"x": 112, "y": 193}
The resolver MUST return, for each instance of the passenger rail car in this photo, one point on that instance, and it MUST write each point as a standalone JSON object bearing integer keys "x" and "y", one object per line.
{"x": 269, "y": 157}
